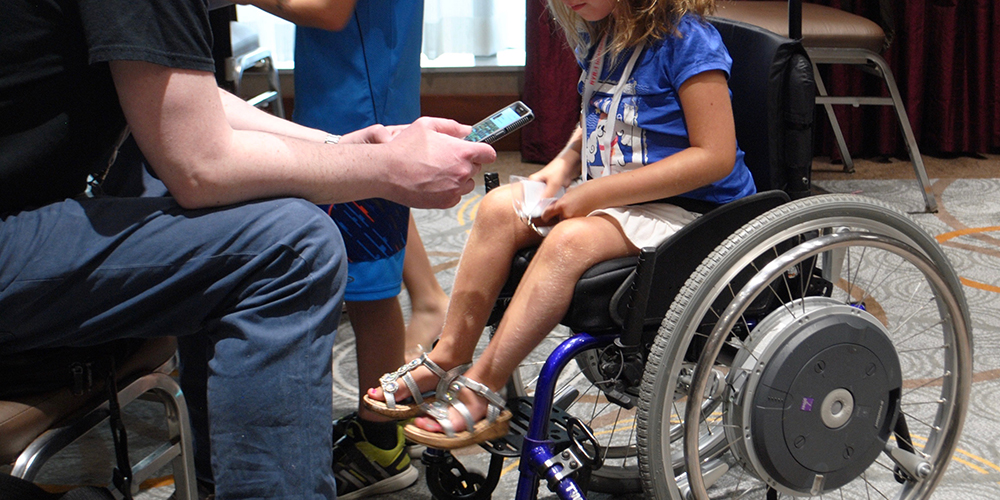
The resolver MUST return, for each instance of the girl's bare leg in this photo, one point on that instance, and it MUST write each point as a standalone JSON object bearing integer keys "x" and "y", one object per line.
{"x": 497, "y": 234}
{"x": 428, "y": 302}
{"x": 540, "y": 302}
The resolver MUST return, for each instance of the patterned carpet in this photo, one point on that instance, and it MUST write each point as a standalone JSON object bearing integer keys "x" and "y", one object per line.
{"x": 967, "y": 225}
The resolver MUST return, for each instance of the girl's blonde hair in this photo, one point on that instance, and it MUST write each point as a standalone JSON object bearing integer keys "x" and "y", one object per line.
{"x": 630, "y": 22}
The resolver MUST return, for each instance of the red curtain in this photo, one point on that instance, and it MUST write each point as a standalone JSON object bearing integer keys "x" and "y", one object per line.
{"x": 550, "y": 76}
{"x": 945, "y": 56}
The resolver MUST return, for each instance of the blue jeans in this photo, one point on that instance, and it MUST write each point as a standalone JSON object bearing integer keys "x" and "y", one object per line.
{"x": 253, "y": 291}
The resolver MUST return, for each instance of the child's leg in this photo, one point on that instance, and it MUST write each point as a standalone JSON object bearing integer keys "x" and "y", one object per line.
{"x": 541, "y": 301}
{"x": 378, "y": 330}
{"x": 428, "y": 302}
{"x": 497, "y": 234}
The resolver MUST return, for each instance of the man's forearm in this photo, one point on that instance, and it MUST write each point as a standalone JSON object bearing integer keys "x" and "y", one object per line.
{"x": 243, "y": 116}
{"x": 183, "y": 128}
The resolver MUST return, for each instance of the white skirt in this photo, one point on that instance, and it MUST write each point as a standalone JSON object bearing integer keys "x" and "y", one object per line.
{"x": 649, "y": 224}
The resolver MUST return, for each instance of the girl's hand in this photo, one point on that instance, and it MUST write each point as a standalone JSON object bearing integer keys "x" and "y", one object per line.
{"x": 572, "y": 204}
{"x": 555, "y": 175}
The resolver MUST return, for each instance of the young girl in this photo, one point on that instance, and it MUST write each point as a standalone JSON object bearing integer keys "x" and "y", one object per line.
{"x": 657, "y": 122}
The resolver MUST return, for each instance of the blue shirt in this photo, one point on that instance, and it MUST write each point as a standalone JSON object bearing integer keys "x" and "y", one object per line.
{"x": 650, "y": 122}
{"x": 367, "y": 73}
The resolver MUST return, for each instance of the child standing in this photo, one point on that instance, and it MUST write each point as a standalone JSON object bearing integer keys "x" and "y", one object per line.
{"x": 656, "y": 123}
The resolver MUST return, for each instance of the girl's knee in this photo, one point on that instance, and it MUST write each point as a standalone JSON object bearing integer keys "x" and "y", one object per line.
{"x": 496, "y": 204}
{"x": 572, "y": 233}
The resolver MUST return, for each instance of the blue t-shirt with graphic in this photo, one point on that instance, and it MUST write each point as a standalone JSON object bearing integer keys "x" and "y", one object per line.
{"x": 650, "y": 123}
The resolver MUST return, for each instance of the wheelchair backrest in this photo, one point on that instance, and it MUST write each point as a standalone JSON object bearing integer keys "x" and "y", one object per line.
{"x": 774, "y": 100}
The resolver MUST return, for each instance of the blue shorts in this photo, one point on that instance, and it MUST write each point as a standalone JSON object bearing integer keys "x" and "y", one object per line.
{"x": 374, "y": 232}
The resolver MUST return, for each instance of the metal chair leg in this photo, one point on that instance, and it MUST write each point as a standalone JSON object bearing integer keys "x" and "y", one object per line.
{"x": 869, "y": 59}
{"x": 930, "y": 204}
{"x": 845, "y": 155}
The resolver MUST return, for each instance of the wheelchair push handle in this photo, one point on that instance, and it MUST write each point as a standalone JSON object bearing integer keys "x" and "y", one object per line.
{"x": 492, "y": 180}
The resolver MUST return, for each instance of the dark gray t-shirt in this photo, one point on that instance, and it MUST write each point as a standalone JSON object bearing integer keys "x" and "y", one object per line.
{"x": 59, "y": 112}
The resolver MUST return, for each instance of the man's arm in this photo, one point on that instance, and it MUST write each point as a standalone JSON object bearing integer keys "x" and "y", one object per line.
{"x": 180, "y": 122}
{"x": 325, "y": 14}
{"x": 243, "y": 116}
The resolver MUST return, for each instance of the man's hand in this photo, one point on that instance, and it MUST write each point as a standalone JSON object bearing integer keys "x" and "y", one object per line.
{"x": 434, "y": 166}
{"x": 374, "y": 134}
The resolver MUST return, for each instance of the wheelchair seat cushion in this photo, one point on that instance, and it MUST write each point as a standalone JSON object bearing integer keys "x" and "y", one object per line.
{"x": 589, "y": 309}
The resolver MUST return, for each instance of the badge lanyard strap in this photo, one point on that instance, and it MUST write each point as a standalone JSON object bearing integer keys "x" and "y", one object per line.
{"x": 589, "y": 86}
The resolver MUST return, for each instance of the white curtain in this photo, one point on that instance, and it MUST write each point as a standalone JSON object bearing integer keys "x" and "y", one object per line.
{"x": 477, "y": 27}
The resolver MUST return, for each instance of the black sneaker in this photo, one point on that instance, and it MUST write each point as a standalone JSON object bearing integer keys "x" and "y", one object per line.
{"x": 363, "y": 470}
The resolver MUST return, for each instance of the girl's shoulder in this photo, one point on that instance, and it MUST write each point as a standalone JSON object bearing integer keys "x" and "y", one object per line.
{"x": 695, "y": 46}
{"x": 692, "y": 32}
{"x": 694, "y": 26}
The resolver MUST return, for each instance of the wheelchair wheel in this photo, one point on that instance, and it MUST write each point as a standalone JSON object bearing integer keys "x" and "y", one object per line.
{"x": 844, "y": 339}
{"x": 580, "y": 391}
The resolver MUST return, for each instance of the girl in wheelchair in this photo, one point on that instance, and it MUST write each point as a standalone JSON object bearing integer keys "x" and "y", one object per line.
{"x": 656, "y": 123}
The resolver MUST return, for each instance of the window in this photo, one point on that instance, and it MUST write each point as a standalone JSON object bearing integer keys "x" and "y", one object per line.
{"x": 473, "y": 33}
{"x": 275, "y": 33}
{"x": 457, "y": 33}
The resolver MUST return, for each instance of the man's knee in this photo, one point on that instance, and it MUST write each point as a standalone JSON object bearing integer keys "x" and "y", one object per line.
{"x": 301, "y": 242}
{"x": 301, "y": 225}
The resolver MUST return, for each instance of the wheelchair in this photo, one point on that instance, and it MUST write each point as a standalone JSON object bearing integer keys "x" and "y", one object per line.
{"x": 783, "y": 345}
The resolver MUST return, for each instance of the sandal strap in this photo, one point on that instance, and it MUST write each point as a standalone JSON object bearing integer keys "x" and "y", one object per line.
{"x": 489, "y": 395}
{"x": 439, "y": 412}
{"x": 411, "y": 384}
{"x": 495, "y": 403}
{"x": 390, "y": 381}
{"x": 454, "y": 373}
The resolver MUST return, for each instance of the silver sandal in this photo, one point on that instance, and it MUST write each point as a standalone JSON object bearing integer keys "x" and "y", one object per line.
{"x": 495, "y": 425}
{"x": 413, "y": 405}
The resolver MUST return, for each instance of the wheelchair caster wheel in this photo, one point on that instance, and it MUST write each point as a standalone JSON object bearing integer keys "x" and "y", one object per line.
{"x": 448, "y": 479}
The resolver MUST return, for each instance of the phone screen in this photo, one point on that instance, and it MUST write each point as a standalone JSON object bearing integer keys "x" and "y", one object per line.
{"x": 496, "y": 122}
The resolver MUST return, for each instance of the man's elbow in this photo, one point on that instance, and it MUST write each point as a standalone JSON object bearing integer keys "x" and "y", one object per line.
{"x": 191, "y": 198}
{"x": 194, "y": 190}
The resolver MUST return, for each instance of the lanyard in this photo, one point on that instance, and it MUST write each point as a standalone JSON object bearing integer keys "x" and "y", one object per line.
{"x": 589, "y": 85}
